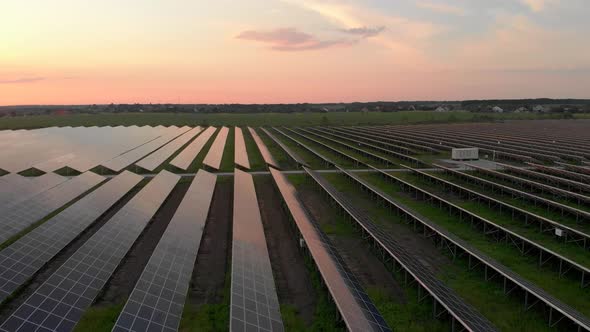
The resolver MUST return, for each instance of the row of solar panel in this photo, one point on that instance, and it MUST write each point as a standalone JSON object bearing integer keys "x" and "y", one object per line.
{"x": 82, "y": 148}
{"x": 62, "y": 299}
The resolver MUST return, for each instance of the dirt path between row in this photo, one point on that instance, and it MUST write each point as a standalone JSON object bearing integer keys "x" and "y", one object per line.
{"x": 122, "y": 282}
{"x": 368, "y": 269}
{"x": 207, "y": 282}
{"x": 294, "y": 286}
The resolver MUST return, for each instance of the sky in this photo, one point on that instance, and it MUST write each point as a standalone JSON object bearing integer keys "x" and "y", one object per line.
{"x": 291, "y": 51}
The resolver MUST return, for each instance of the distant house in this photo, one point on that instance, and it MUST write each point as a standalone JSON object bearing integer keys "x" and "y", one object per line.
{"x": 538, "y": 108}
{"x": 521, "y": 109}
{"x": 441, "y": 109}
{"x": 497, "y": 109}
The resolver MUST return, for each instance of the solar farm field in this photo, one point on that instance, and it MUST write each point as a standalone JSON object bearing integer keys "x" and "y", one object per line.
{"x": 203, "y": 227}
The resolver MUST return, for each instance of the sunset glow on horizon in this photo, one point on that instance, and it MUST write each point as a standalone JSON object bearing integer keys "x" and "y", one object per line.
{"x": 291, "y": 51}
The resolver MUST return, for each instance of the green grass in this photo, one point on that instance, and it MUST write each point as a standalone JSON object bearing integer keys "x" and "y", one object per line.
{"x": 312, "y": 160}
{"x": 99, "y": 318}
{"x": 261, "y": 119}
{"x": 357, "y": 154}
{"x": 539, "y": 210}
{"x": 566, "y": 290}
{"x": 254, "y": 157}
{"x": 227, "y": 160}
{"x": 504, "y": 218}
{"x": 401, "y": 314}
{"x": 326, "y": 152}
{"x": 209, "y": 317}
{"x": 351, "y": 152}
{"x": 504, "y": 312}
{"x": 284, "y": 161}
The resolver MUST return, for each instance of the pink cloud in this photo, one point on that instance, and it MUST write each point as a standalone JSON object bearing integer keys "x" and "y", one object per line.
{"x": 364, "y": 32}
{"x": 22, "y": 80}
{"x": 290, "y": 39}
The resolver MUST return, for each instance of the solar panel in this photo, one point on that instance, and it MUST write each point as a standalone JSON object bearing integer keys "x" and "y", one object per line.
{"x": 157, "y": 300}
{"x": 285, "y": 148}
{"x": 456, "y": 306}
{"x": 22, "y": 215}
{"x": 241, "y": 154}
{"x": 23, "y": 258}
{"x": 266, "y": 155}
{"x": 134, "y": 155}
{"x": 15, "y": 188}
{"x": 60, "y": 301}
{"x": 155, "y": 159}
{"x": 186, "y": 157}
{"x": 254, "y": 301}
{"x": 213, "y": 158}
{"x": 356, "y": 308}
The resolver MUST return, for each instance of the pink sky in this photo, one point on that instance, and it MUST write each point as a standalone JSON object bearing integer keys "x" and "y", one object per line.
{"x": 285, "y": 51}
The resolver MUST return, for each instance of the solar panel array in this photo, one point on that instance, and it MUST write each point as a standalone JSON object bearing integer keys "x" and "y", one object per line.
{"x": 23, "y": 258}
{"x": 157, "y": 300}
{"x": 254, "y": 301}
{"x": 22, "y": 215}
{"x": 184, "y": 159}
{"x": 460, "y": 247}
{"x": 130, "y": 157}
{"x": 15, "y": 188}
{"x": 80, "y": 148}
{"x": 266, "y": 155}
{"x": 356, "y": 308}
{"x": 469, "y": 318}
{"x": 59, "y": 302}
{"x": 155, "y": 159}
{"x": 285, "y": 148}
{"x": 240, "y": 152}
{"x": 213, "y": 157}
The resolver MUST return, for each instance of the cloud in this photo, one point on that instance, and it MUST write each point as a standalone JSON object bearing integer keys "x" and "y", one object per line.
{"x": 22, "y": 80}
{"x": 290, "y": 39}
{"x": 538, "y": 5}
{"x": 364, "y": 32}
{"x": 443, "y": 8}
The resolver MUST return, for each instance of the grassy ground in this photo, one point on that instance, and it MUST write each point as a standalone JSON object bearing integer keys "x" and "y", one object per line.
{"x": 227, "y": 161}
{"x": 546, "y": 278}
{"x": 504, "y": 218}
{"x": 505, "y": 312}
{"x": 410, "y": 315}
{"x": 328, "y": 153}
{"x": 354, "y": 153}
{"x": 99, "y": 318}
{"x": 259, "y": 119}
{"x": 539, "y": 210}
{"x": 285, "y": 162}
{"x": 311, "y": 159}
{"x": 256, "y": 161}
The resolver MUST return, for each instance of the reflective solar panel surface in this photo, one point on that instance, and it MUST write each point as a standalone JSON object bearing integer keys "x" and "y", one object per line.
{"x": 15, "y": 188}
{"x": 80, "y": 148}
{"x": 23, "y": 258}
{"x": 254, "y": 301}
{"x": 240, "y": 152}
{"x": 60, "y": 301}
{"x": 155, "y": 159}
{"x": 184, "y": 159}
{"x": 356, "y": 309}
{"x": 126, "y": 159}
{"x": 266, "y": 155}
{"x": 213, "y": 158}
{"x": 157, "y": 300}
{"x": 22, "y": 215}
{"x": 469, "y": 317}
